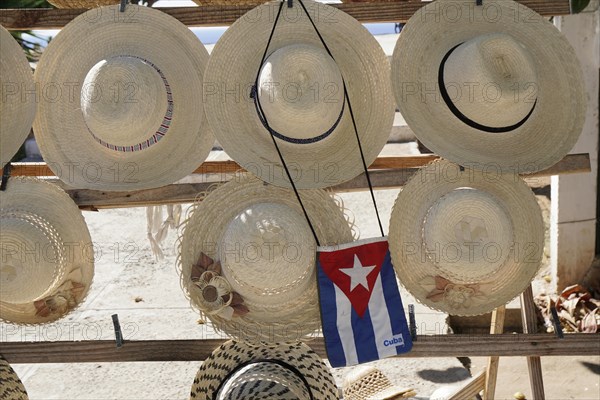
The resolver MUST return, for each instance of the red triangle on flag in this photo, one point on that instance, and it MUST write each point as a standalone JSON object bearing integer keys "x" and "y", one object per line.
{"x": 354, "y": 270}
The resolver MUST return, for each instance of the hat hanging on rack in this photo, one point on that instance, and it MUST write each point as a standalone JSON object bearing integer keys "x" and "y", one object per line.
{"x": 489, "y": 84}
{"x": 247, "y": 258}
{"x": 47, "y": 255}
{"x": 11, "y": 387}
{"x": 464, "y": 241}
{"x": 121, "y": 108}
{"x": 82, "y": 3}
{"x": 300, "y": 89}
{"x": 238, "y": 370}
{"x": 17, "y": 108}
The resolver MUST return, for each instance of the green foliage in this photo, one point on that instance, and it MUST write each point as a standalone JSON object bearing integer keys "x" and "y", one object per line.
{"x": 578, "y": 6}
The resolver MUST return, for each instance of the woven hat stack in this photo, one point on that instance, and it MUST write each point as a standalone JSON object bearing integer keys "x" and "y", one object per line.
{"x": 121, "y": 108}
{"x": 368, "y": 383}
{"x": 247, "y": 258}
{"x": 46, "y": 253}
{"x": 494, "y": 84}
{"x": 238, "y": 370}
{"x": 11, "y": 387}
{"x": 301, "y": 90}
{"x": 465, "y": 242}
{"x": 17, "y": 108}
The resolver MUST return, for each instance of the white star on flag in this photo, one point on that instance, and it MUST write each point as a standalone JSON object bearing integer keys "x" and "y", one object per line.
{"x": 358, "y": 274}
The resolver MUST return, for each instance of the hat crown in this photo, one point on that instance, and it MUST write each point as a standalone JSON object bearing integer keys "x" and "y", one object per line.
{"x": 266, "y": 250}
{"x": 124, "y": 100}
{"x": 492, "y": 80}
{"x": 467, "y": 234}
{"x": 32, "y": 261}
{"x": 263, "y": 380}
{"x": 301, "y": 91}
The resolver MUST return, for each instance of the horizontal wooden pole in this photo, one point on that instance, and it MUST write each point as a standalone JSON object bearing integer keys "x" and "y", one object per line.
{"x": 390, "y": 178}
{"x": 397, "y": 11}
{"x": 507, "y": 345}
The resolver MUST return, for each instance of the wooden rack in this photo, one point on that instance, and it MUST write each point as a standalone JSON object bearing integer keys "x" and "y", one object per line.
{"x": 387, "y": 173}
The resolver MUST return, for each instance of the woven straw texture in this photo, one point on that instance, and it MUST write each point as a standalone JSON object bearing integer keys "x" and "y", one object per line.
{"x": 17, "y": 108}
{"x": 134, "y": 120}
{"x": 229, "y": 356}
{"x": 11, "y": 387}
{"x": 369, "y": 383}
{"x": 515, "y": 61}
{"x": 269, "y": 261}
{"x": 48, "y": 253}
{"x": 487, "y": 245}
{"x": 82, "y": 3}
{"x": 299, "y": 83}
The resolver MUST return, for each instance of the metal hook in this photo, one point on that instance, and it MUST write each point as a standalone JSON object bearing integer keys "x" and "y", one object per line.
{"x": 123, "y": 5}
{"x": 290, "y": 3}
{"x": 412, "y": 324}
{"x": 117, "y": 326}
{"x": 5, "y": 176}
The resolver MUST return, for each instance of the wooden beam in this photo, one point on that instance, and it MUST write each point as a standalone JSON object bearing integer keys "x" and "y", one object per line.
{"x": 534, "y": 363}
{"x": 471, "y": 389}
{"x": 506, "y": 345}
{"x": 496, "y": 327}
{"x": 397, "y": 11}
{"x": 571, "y": 164}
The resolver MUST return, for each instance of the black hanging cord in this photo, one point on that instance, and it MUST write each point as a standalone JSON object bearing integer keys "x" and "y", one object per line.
{"x": 273, "y": 133}
{"x": 347, "y": 99}
{"x": 254, "y": 95}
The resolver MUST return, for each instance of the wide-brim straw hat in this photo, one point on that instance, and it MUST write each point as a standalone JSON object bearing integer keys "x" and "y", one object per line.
{"x": 366, "y": 382}
{"x": 121, "y": 107}
{"x": 47, "y": 256}
{"x": 238, "y": 370}
{"x": 82, "y": 3}
{"x": 465, "y": 241}
{"x": 495, "y": 84}
{"x": 11, "y": 387}
{"x": 301, "y": 91}
{"x": 247, "y": 258}
{"x": 17, "y": 107}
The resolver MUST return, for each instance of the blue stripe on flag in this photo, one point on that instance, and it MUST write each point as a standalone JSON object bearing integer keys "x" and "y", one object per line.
{"x": 393, "y": 303}
{"x": 333, "y": 343}
{"x": 364, "y": 337}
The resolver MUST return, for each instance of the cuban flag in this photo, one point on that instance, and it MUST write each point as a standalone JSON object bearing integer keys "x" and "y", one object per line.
{"x": 361, "y": 309}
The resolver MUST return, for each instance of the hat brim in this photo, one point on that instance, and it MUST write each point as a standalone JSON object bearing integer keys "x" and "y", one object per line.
{"x": 202, "y": 233}
{"x": 17, "y": 109}
{"x": 56, "y": 207}
{"x": 70, "y": 150}
{"x": 557, "y": 119}
{"x": 226, "y": 358}
{"x": 11, "y": 387}
{"x": 232, "y": 114}
{"x": 417, "y": 272}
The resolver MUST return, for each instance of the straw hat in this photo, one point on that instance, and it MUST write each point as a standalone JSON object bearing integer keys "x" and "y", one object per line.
{"x": 493, "y": 84}
{"x": 131, "y": 117}
{"x": 247, "y": 258}
{"x": 17, "y": 108}
{"x": 11, "y": 387}
{"x": 82, "y": 3}
{"x": 366, "y": 382}
{"x": 465, "y": 242}
{"x": 238, "y": 370}
{"x": 46, "y": 253}
{"x": 301, "y": 92}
